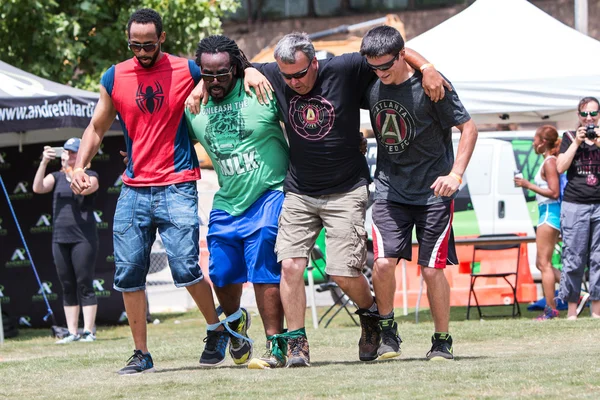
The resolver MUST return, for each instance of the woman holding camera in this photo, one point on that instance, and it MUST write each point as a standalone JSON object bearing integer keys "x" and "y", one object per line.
{"x": 579, "y": 155}
{"x": 546, "y": 186}
{"x": 74, "y": 238}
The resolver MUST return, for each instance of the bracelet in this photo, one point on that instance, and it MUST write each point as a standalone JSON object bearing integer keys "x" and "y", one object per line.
{"x": 425, "y": 66}
{"x": 456, "y": 176}
{"x": 76, "y": 170}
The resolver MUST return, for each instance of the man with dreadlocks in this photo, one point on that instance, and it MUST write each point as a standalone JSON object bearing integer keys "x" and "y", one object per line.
{"x": 245, "y": 142}
{"x": 159, "y": 183}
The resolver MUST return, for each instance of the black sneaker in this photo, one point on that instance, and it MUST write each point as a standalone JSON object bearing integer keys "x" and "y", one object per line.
{"x": 441, "y": 349}
{"x": 267, "y": 361}
{"x": 390, "y": 340}
{"x": 239, "y": 349}
{"x": 298, "y": 353}
{"x": 214, "y": 350}
{"x": 138, "y": 363}
{"x": 369, "y": 336}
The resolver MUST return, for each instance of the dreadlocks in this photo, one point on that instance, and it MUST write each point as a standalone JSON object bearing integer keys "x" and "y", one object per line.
{"x": 222, "y": 44}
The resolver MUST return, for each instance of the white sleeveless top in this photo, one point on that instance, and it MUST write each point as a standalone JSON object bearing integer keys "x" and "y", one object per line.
{"x": 542, "y": 184}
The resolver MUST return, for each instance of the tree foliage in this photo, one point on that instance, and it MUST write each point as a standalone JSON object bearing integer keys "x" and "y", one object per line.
{"x": 75, "y": 41}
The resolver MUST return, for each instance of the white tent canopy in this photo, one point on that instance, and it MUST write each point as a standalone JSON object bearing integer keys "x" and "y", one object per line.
{"x": 507, "y": 57}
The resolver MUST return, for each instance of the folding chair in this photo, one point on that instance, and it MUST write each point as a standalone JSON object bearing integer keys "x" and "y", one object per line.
{"x": 340, "y": 300}
{"x": 492, "y": 266}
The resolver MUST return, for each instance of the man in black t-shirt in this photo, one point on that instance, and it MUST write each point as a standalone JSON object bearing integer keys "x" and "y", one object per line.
{"x": 326, "y": 183}
{"x": 416, "y": 181}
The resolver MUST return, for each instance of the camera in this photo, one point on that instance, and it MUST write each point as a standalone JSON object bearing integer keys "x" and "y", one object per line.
{"x": 590, "y": 132}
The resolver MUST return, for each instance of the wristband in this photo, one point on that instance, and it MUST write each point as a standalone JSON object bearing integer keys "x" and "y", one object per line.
{"x": 425, "y": 66}
{"x": 76, "y": 170}
{"x": 456, "y": 176}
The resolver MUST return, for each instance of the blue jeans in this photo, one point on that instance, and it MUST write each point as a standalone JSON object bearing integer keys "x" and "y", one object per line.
{"x": 140, "y": 211}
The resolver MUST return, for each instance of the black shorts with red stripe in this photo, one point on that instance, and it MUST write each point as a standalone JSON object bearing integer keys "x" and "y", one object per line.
{"x": 393, "y": 226}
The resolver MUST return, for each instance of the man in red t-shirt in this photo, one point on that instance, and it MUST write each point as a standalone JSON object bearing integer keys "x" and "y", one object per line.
{"x": 159, "y": 183}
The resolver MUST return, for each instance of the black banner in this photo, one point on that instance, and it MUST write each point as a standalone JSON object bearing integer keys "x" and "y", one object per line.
{"x": 20, "y": 294}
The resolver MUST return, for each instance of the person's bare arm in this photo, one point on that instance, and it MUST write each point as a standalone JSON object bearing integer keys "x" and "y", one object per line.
{"x": 44, "y": 184}
{"x": 565, "y": 159}
{"x": 550, "y": 175}
{"x": 448, "y": 184}
{"x": 103, "y": 117}
{"x": 433, "y": 81}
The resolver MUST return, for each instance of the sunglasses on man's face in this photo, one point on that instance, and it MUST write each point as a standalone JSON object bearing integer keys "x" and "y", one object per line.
{"x": 219, "y": 77}
{"x": 384, "y": 66}
{"x": 584, "y": 114}
{"x": 296, "y": 75}
{"x": 147, "y": 47}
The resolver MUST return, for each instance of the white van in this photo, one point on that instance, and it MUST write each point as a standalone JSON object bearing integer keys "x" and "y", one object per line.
{"x": 488, "y": 202}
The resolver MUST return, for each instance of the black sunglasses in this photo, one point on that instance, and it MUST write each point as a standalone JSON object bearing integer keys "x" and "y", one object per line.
{"x": 586, "y": 113}
{"x": 148, "y": 47}
{"x": 296, "y": 75}
{"x": 385, "y": 66}
{"x": 219, "y": 77}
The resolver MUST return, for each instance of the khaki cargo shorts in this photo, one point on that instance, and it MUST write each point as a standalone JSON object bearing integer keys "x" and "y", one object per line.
{"x": 342, "y": 216}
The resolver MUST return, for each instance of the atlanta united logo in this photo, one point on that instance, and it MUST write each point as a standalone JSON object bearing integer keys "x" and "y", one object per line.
{"x": 394, "y": 126}
{"x": 311, "y": 118}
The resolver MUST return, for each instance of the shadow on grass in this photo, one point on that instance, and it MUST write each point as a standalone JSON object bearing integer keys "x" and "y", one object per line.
{"x": 199, "y": 368}
{"x": 395, "y": 360}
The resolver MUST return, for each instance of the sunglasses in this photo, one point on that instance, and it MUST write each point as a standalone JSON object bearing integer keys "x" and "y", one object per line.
{"x": 219, "y": 77}
{"x": 148, "y": 47}
{"x": 385, "y": 66}
{"x": 586, "y": 113}
{"x": 296, "y": 75}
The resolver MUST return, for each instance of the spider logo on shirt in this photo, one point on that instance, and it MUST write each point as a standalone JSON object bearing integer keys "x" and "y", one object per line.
{"x": 149, "y": 99}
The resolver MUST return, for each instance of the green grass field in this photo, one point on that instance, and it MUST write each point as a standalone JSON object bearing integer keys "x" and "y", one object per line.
{"x": 495, "y": 359}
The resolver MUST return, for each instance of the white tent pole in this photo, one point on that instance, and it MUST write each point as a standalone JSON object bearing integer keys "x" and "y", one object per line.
{"x": 404, "y": 294}
{"x": 581, "y": 16}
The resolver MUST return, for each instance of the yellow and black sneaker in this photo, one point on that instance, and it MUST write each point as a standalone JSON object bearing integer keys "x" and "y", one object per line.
{"x": 441, "y": 349}
{"x": 268, "y": 360}
{"x": 240, "y": 350}
{"x": 390, "y": 340}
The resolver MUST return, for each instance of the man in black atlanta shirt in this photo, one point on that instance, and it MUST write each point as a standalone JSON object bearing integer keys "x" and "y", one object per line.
{"x": 326, "y": 183}
{"x": 416, "y": 180}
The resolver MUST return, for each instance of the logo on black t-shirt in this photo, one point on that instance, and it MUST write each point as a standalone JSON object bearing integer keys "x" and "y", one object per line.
{"x": 311, "y": 118}
{"x": 394, "y": 126}
{"x": 149, "y": 99}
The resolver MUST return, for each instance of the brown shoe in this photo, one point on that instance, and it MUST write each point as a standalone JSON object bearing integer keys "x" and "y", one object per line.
{"x": 298, "y": 353}
{"x": 370, "y": 336}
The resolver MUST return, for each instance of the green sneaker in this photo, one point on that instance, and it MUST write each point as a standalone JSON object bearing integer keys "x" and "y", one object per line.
{"x": 441, "y": 349}
{"x": 240, "y": 350}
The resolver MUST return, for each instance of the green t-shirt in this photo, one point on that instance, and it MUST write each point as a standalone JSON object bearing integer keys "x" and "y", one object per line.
{"x": 245, "y": 142}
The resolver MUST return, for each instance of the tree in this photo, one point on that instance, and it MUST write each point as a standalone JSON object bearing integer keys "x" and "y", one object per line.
{"x": 75, "y": 41}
